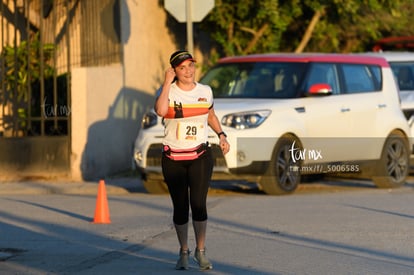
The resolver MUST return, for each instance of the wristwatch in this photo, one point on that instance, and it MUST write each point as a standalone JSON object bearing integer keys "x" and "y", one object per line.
{"x": 221, "y": 133}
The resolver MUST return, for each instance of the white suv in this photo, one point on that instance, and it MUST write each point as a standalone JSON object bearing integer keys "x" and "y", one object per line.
{"x": 287, "y": 115}
{"x": 402, "y": 65}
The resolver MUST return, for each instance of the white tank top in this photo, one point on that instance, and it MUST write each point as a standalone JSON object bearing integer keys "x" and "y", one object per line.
{"x": 186, "y": 123}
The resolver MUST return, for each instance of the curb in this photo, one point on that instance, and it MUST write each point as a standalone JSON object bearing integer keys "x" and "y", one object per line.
{"x": 64, "y": 188}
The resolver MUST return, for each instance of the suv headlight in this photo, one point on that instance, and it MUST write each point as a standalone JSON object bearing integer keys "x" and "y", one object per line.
{"x": 148, "y": 120}
{"x": 245, "y": 120}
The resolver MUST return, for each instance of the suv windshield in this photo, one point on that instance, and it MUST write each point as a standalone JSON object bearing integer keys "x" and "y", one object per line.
{"x": 255, "y": 80}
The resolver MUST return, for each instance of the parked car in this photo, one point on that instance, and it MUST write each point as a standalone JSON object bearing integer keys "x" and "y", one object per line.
{"x": 402, "y": 65}
{"x": 288, "y": 115}
{"x": 394, "y": 43}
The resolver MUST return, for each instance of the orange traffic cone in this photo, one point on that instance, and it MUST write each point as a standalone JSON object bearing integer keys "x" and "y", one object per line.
{"x": 102, "y": 209}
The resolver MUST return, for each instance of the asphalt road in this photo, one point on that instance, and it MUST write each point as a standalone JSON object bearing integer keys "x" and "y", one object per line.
{"x": 328, "y": 227}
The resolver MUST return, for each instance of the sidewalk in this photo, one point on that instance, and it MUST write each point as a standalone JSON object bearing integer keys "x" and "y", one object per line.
{"x": 115, "y": 186}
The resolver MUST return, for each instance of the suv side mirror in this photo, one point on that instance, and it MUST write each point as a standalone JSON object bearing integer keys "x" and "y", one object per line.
{"x": 319, "y": 89}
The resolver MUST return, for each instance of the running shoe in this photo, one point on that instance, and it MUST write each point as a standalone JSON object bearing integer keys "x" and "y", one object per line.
{"x": 182, "y": 262}
{"x": 201, "y": 258}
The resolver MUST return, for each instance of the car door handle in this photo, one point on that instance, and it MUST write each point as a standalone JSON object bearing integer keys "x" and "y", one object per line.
{"x": 381, "y": 105}
{"x": 300, "y": 109}
{"x": 344, "y": 110}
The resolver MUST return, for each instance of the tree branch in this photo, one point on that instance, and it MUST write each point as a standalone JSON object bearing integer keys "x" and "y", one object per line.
{"x": 246, "y": 29}
{"x": 256, "y": 36}
{"x": 308, "y": 34}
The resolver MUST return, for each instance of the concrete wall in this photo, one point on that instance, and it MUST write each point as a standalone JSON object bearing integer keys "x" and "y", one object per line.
{"x": 93, "y": 92}
{"x": 108, "y": 102}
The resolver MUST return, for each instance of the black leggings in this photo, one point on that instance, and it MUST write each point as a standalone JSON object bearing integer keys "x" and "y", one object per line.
{"x": 184, "y": 175}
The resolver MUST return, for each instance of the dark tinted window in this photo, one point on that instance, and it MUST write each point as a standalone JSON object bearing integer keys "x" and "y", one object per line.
{"x": 359, "y": 78}
{"x": 323, "y": 73}
{"x": 255, "y": 80}
{"x": 404, "y": 75}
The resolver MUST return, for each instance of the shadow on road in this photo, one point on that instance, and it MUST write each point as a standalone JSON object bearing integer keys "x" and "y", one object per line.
{"x": 131, "y": 181}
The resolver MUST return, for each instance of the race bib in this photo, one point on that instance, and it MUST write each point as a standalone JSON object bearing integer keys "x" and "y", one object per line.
{"x": 191, "y": 131}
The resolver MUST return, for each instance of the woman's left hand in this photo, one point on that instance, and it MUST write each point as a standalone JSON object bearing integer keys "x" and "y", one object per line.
{"x": 224, "y": 145}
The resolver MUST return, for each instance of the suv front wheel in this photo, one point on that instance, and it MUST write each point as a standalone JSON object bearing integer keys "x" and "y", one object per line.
{"x": 392, "y": 169}
{"x": 283, "y": 174}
